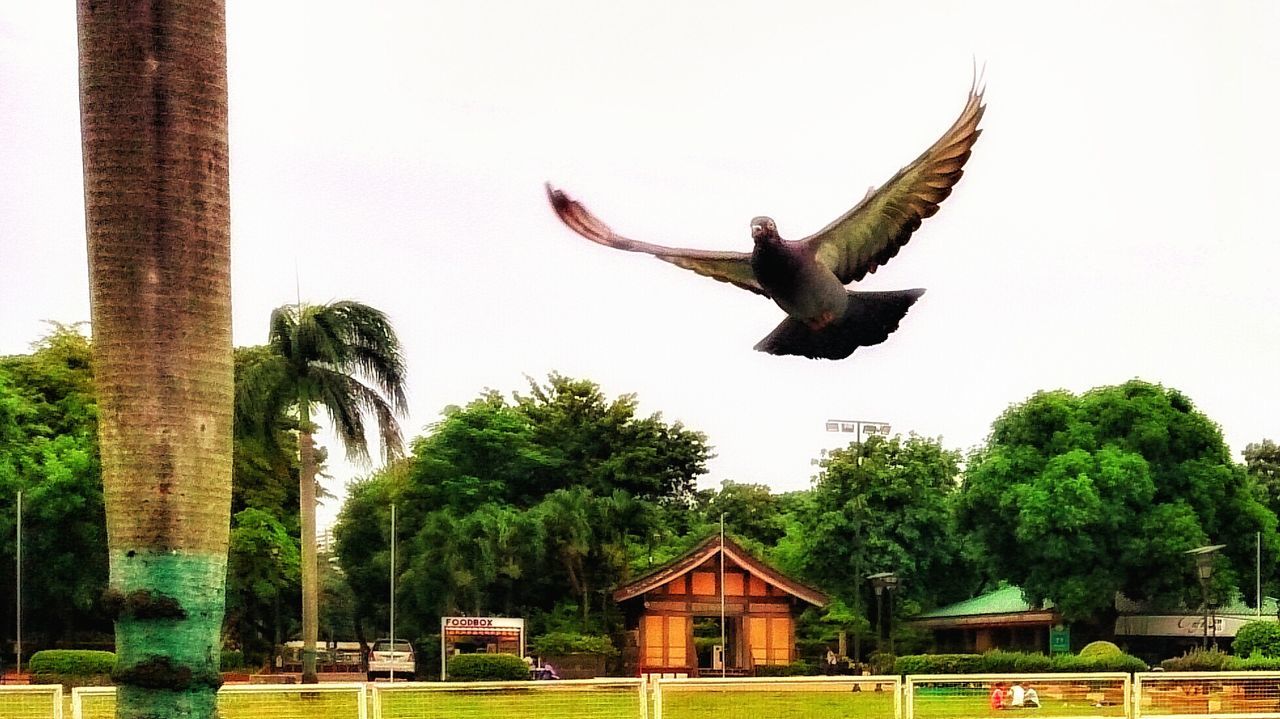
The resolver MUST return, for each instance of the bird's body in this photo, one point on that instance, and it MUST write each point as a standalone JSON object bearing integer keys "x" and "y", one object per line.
{"x": 795, "y": 280}
{"x": 807, "y": 278}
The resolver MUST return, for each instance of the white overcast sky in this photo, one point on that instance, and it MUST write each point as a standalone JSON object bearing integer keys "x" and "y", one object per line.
{"x": 1116, "y": 219}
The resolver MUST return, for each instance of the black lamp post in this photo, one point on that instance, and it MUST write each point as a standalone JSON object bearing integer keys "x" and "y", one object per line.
{"x": 1204, "y": 557}
{"x": 881, "y": 582}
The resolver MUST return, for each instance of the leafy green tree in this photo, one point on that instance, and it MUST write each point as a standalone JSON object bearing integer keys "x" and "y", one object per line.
{"x": 883, "y": 505}
{"x": 262, "y": 567}
{"x": 49, "y": 451}
{"x": 361, "y": 537}
{"x": 1262, "y": 460}
{"x": 1077, "y": 497}
{"x": 525, "y": 506}
{"x": 750, "y": 510}
{"x": 345, "y": 358}
{"x": 603, "y": 446}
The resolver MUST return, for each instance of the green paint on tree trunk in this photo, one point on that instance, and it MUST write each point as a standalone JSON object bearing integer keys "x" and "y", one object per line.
{"x": 167, "y": 666}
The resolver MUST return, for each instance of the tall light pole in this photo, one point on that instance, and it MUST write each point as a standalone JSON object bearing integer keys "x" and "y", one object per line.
{"x": 392, "y": 673}
{"x": 724, "y": 654}
{"x": 18, "y": 559}
{"x": 1204, "y": 557}
{"x": 858, "y": 427}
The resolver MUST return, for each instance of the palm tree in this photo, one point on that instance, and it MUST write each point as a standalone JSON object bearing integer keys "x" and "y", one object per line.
{"x": 343, "y": 357}
{"x": 153, "y": 106}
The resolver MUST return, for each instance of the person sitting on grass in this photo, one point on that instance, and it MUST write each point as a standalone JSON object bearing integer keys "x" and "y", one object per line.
{"x": 1031, "y": 698}
{"x": 997, "y": 696}
{"x": 1017, "y": 696}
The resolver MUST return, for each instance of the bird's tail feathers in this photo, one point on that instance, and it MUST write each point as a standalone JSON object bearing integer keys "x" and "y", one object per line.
{"x": 869, "y": 319}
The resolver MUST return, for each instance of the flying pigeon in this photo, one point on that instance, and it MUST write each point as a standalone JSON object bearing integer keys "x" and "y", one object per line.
{"x": 807, "y": 277}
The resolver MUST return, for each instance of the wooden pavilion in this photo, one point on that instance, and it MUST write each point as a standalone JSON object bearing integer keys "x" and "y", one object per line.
{"x": 758, "y": 602}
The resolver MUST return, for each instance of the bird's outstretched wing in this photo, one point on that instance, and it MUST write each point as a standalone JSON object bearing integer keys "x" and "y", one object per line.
{"x": 732, "y": 267}
{"x": 871, "y": 233}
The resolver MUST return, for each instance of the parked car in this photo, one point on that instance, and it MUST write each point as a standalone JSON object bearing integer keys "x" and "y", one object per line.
{"x": 386, "y": 660}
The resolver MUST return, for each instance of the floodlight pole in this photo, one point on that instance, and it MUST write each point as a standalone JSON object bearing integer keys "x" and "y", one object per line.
{"x": 392, "y": 674}
{"x": 18, "y": 641}
{"x": 841, "y": 425}
{"x": 723, "y": 645}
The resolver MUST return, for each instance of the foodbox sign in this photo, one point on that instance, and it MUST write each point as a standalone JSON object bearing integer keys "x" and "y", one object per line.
{"x": 480, "y": 623}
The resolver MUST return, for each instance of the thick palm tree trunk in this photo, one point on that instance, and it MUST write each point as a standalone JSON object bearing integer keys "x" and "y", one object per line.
{"x": 307, "y": 510}
{"x": 153, "y": 101}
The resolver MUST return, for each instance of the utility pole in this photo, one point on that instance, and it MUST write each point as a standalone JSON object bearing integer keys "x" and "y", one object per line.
{"x": 18, "y": 642}
{"x": 392, "y": 673}
{"x": 724, "y": 654}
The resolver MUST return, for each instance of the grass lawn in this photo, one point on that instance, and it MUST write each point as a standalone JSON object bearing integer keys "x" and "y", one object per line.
{"x": 316, "y": 705}
{"x": 593, "y": 703}
{"x": 794, "y": 703}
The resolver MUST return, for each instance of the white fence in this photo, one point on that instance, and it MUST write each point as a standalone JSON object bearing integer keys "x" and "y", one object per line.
{"x": 1062, "y": 696}
{"x": 1148, "y": 695}
{"x": 250, "y": 701}
{"x": 567, "y": 699}
{"x": 835, "y": 697}
{"x": 1207, "y": 695}
{"x": 36, "y": 701}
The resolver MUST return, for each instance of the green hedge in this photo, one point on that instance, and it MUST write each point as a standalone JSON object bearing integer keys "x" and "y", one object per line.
{"x": 1094, "y": 650}
{"x": 1254, "y": 663}
{"x": 794, "y": 669}
{"x": 1215, "y": 660}
{"x": 231, "y": 659}
{"x": 72, "y": 662}
{"x": 937, "y": 664}
{"x": 1004, "y": 662}
{"x": 560, "y": 643}
{"x": 487, "y": 667}
{"x": 1262, "y": 638}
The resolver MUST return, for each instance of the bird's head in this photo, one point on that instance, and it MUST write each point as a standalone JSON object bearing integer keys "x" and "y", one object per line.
{"x": 762, "y": 228}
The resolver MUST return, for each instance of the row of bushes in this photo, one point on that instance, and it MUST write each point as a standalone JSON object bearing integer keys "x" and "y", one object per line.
{"x": 1215, "y": 660}
{"x": 487, "y": 667}
{"x": 1003, "y": 662}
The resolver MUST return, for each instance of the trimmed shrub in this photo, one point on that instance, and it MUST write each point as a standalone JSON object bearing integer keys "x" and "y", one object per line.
{"x": 72, "y": 662}
{"x": 1198, "y": 660}
{"x": 937, "y": 664}
{"x": 794, "y": 669}
{"x": 1106, "y": 663}
{"x": 1261, "y": 638}
{"x": 882, "y": 662}
{"x": 998, "y": 661}
{"x": 573, "y": 643}
{"x": 1034, "y": 663}
{"x": 1257, "y": 662}
{"x": 231, "y": 659}
{"x": 1094, "y": 650}
{"x": 487, "y": 667}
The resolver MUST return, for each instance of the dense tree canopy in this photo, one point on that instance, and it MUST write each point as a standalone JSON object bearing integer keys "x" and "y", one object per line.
{"x": 533, "y": 506}
{"x": 49, "y": 450}
{"x": 882, "y": 506}
{"x": 1262, "y": 460}
{"x": 541, "y": 503}
{"x": 1077, "y": 497}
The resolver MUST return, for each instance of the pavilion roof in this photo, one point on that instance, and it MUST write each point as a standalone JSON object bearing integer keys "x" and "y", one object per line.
{"x": 707, "y": 549}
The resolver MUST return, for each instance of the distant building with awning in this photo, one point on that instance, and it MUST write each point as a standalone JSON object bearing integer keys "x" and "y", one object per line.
{"x": 1002, "y": 619}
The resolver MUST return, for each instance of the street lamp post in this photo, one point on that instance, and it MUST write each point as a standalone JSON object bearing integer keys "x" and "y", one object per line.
{"x": 1204, "y": 557}
{"x": 18, "y": 599}
{"x": 881, "y": 582}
